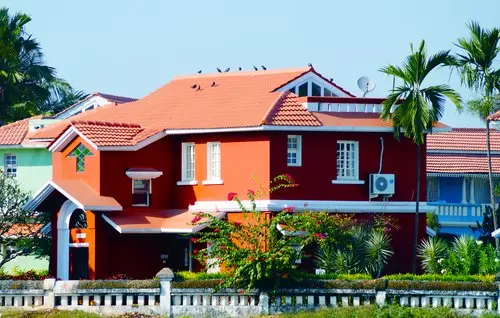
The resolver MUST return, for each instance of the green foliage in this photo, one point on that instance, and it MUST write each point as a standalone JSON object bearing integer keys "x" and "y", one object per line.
{"x": 54, "y": 314}
{"x": 432, "y": 221}
{"x": 487, "y": 226}
{"x": 444, "y": 278}
{"x": 441, "y": 285}
{"x": 185, "y": 275}
{"x": 208, "y": 283}
{"x": 111, "y": 284}
{"x": 465, "y": 256}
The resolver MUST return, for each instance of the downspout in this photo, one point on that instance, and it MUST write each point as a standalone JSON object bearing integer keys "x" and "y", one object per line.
{"x": 381, "y": 154}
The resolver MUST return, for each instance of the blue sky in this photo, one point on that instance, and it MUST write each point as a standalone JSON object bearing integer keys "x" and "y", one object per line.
{"x": 131, "y": 48}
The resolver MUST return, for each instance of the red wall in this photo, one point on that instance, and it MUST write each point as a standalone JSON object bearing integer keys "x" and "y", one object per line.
{"x": 319, "y": 166}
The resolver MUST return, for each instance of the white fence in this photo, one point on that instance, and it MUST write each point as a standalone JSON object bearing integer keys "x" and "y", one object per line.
{"x": 178, "y": 302}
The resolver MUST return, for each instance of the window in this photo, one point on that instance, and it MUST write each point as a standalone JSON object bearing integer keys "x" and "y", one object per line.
{"x": 80, "y": 152}
{"x": 316, "y": 89}
{"x": 294, "y": 152}
{"x": 432, "y": 189}
{"x": 213, "y": 161}
{"x": 141, "y": 190}
{"x": 327, "y": 92}
{"x": 347, "y": 160}
{"x": 10, "y": 165}
{"x": 303, "y": 91}
{"x": 188, "y": 171}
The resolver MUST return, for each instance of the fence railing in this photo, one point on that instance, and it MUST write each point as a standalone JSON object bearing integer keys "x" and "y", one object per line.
{"x": 160, "y": 298}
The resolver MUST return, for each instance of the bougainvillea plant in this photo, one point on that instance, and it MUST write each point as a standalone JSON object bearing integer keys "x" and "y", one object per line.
{"x": 260, "y": 249}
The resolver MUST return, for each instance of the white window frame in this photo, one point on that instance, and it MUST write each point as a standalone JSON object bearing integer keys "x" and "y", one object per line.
{"x": 297, "y": 151}
{"x": 211, "y": 177}
{"x": 185, "y": 179}
{"x": 149, "y": 193}
{"x": 10, "y": 164}
{"x": 354, "y": 179}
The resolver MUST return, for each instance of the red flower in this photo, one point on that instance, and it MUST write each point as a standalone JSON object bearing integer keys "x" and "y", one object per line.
{"x": 262, "y": 258}
{"x": 231, "y": 195}
{"x": 237, "y": 223}
{"x": 285, "y": 275}
{"x": 289, "y": 177}
{"x": 289, "y": 209}
{"x": 318, "y": 222}
{"x": 320, "y": 235}
{"x": 195, "y": 252}
{"x": 195, "y": 239}
{"x": 295, "y": 185}
{"x": 222, "y": 247}
{"x": 251, "y": 193}
{"x": 196, "y": 219}
{"x": 216, "y": 230}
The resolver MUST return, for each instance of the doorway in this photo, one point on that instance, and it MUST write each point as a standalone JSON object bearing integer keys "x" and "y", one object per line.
{"x": 79, "y": 266}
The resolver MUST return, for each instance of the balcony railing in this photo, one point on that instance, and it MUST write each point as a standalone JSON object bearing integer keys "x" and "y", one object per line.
{"x": 458, "y": 214}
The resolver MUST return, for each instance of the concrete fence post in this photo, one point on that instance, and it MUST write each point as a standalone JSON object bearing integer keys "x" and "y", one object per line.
{"x": 49, "y": 299}
{"x": 264, "y": 303}
{"x": 380, "y": 298}
{"x": 166, "y": 276}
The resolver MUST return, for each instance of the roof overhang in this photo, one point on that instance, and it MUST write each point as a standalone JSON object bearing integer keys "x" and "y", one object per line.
{"x": 164, "y": 223}
{"x": 143, "y": 174}
{"x": 42, "y": 194}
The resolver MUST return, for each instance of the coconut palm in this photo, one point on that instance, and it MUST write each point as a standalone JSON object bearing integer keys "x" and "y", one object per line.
{"x": 476, "y": 65}
{"x": 26, "y": 83}
{"x": 414, "y": 109}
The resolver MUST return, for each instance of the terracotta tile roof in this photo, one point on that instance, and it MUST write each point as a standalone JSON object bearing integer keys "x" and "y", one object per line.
{"x": 289, "y": 112}
{"x": 154, "y": 221}
{"x": 464, "y": 139}
{"x": 16, "y": 132}
{"x": 495, "y": 116}
{"x": 113, "y": 134}
{"x": 461, "y": 164}
{"x": 85, "y": 195}
{"x": 23, "y": 230}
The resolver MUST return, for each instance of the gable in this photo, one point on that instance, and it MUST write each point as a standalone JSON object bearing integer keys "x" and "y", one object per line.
{"x": 313, "y": 84}
{"x": 87, "y": 104}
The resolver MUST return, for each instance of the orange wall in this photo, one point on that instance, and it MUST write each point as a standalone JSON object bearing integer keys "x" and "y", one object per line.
{"x": 64, "y": 167}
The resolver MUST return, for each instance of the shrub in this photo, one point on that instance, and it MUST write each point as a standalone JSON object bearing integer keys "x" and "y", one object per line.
{"x": 437, "y": 285}
{"x": 444, "y": 278}
{"x": 111, "y": 284}
{"x": 185, "y": 275}
{"x": 432, "y": 251}
{"x": 432, "y": 221}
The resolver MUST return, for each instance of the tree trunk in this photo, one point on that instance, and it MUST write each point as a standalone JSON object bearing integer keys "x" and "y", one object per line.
{"x": 490, "y": 179}
{"x": 417, "y": 206}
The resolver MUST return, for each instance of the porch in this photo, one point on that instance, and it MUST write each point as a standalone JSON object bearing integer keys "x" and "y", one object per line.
{"x": 459, "y": 218}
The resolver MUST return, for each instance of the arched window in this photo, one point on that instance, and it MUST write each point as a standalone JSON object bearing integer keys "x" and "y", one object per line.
{"x": 78, "y": 220}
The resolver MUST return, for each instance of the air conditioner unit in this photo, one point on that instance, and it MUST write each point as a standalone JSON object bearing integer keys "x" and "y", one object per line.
{"x": 381, "y": 184}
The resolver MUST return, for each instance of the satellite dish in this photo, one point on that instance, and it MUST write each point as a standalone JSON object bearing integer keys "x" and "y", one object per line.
{"x": 366, "y": 85}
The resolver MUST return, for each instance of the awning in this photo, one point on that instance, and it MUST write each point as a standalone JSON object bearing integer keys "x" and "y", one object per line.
{"x": 76, "y": 191}
{"x": 156, "y": 221}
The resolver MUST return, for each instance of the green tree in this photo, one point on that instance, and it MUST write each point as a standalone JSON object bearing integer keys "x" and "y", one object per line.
{"x": 26, "y": 84}
{"x": 476, "y": 65}
{"x": 414, "y": 109}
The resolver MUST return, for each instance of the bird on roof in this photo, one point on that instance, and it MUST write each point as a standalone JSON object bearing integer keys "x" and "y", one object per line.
{"x": 194, "y": 86}
{"x": 309, "y": 64}
{"x": 263, "y": 67}
{"x": 199, "y": 72}
{"x": 219, "y": 70}
{"x": 213, "y": 84}
{"x": 255, "y": 68}
{"x": 331, "y": 79}
{"x": 199, "y": 87}
{"x": 227, "y": 70}
{"x": 239, "y": 68}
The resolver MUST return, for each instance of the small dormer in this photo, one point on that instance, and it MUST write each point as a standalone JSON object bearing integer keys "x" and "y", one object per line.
{"x": 313, "y": 84}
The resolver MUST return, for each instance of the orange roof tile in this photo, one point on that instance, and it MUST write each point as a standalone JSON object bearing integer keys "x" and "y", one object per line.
{"x": 15, "y": 133}
{"x": 463, "y": 139}
{"x": 23, "y": 229}
{"x": 289, "y": 112}
{"x": 439, "y": 163}
{"x": 83, "y": 194}
{"x": 154, "y": 221}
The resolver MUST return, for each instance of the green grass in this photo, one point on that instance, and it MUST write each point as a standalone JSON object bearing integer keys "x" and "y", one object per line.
{"x": 393, "y": 311}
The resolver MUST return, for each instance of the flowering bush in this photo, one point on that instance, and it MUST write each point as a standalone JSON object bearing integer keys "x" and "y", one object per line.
{"x": 465, "y": 256}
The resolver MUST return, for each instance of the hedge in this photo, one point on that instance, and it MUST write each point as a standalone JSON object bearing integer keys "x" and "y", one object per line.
{"x": 122, "y": 284}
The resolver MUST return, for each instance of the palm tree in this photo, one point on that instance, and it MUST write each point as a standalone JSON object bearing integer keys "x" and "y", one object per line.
{"x": 414, "y": 109}
{"x": 476, "y": 67}
{"x": 26, "y": 83}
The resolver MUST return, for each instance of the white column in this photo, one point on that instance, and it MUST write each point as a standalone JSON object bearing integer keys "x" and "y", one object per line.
{"x": 464, "y": 190}
{"x": 63, "y": 254}
{"x": 472, "y": 200}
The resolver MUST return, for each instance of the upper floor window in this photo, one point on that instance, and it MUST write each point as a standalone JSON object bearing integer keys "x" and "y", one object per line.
{"x": 10, "y": 165}
{"x": 188, "y": 161}
{"x": 347, "y": 160}
{"x": 141, "y": 190}
{"x": 213, "y": 161}
{"x": 294, "y": 152}
{"x": 432, "y": 189}
{"x": 80, "y": 152}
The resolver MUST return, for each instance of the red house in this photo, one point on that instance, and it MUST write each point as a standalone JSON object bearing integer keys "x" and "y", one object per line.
{"x": 127, "y": 180}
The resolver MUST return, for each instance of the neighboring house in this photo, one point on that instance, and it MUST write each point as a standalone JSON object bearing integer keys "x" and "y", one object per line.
{"x": 457, "y": 177}
{"x": 127, "y": 180}
{"x": 28, "y": 160}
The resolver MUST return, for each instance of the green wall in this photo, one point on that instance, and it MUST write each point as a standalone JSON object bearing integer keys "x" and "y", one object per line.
{"x": 34, "y": 167}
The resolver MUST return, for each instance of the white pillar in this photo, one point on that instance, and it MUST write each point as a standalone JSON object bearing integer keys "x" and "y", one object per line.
{"x": 464, "y": 190}
{"x": 472, "y": 199}
{"x": 63, "y": 254}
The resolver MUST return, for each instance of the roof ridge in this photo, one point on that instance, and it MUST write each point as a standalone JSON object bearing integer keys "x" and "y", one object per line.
{"x": 104, "y": 123}
{"x": 245, "y": 73}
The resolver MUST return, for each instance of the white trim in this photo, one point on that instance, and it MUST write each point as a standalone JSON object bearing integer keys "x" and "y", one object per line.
{"x": 158, "y": 230}
{"x": 63, "y": 237}
{"x": 314, "y": 205}
{"x": 341, "y": 181}
{"x": 78, "y": 244}
{"x": 149, "y": 192}
{"x": 496, "y": 233}
{"x": 184, "y": 148}
{"x": 210, "y": 182}
{"x": 430, "y": 232}
{"x": 312, "y": 77}
{"x": 143, "y": 175}
{"x": 297, "y": 151}
{"x": 354, "y": 143}
{"x": 210, "y": 177}
{"x": 458, "y": 224}
{"x": 190, "y": 182}
{"x": 32, "y": 145}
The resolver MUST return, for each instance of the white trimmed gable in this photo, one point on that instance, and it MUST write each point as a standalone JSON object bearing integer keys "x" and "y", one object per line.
{"x": 312, "y": 81}
{"x": 89, "y": 103}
